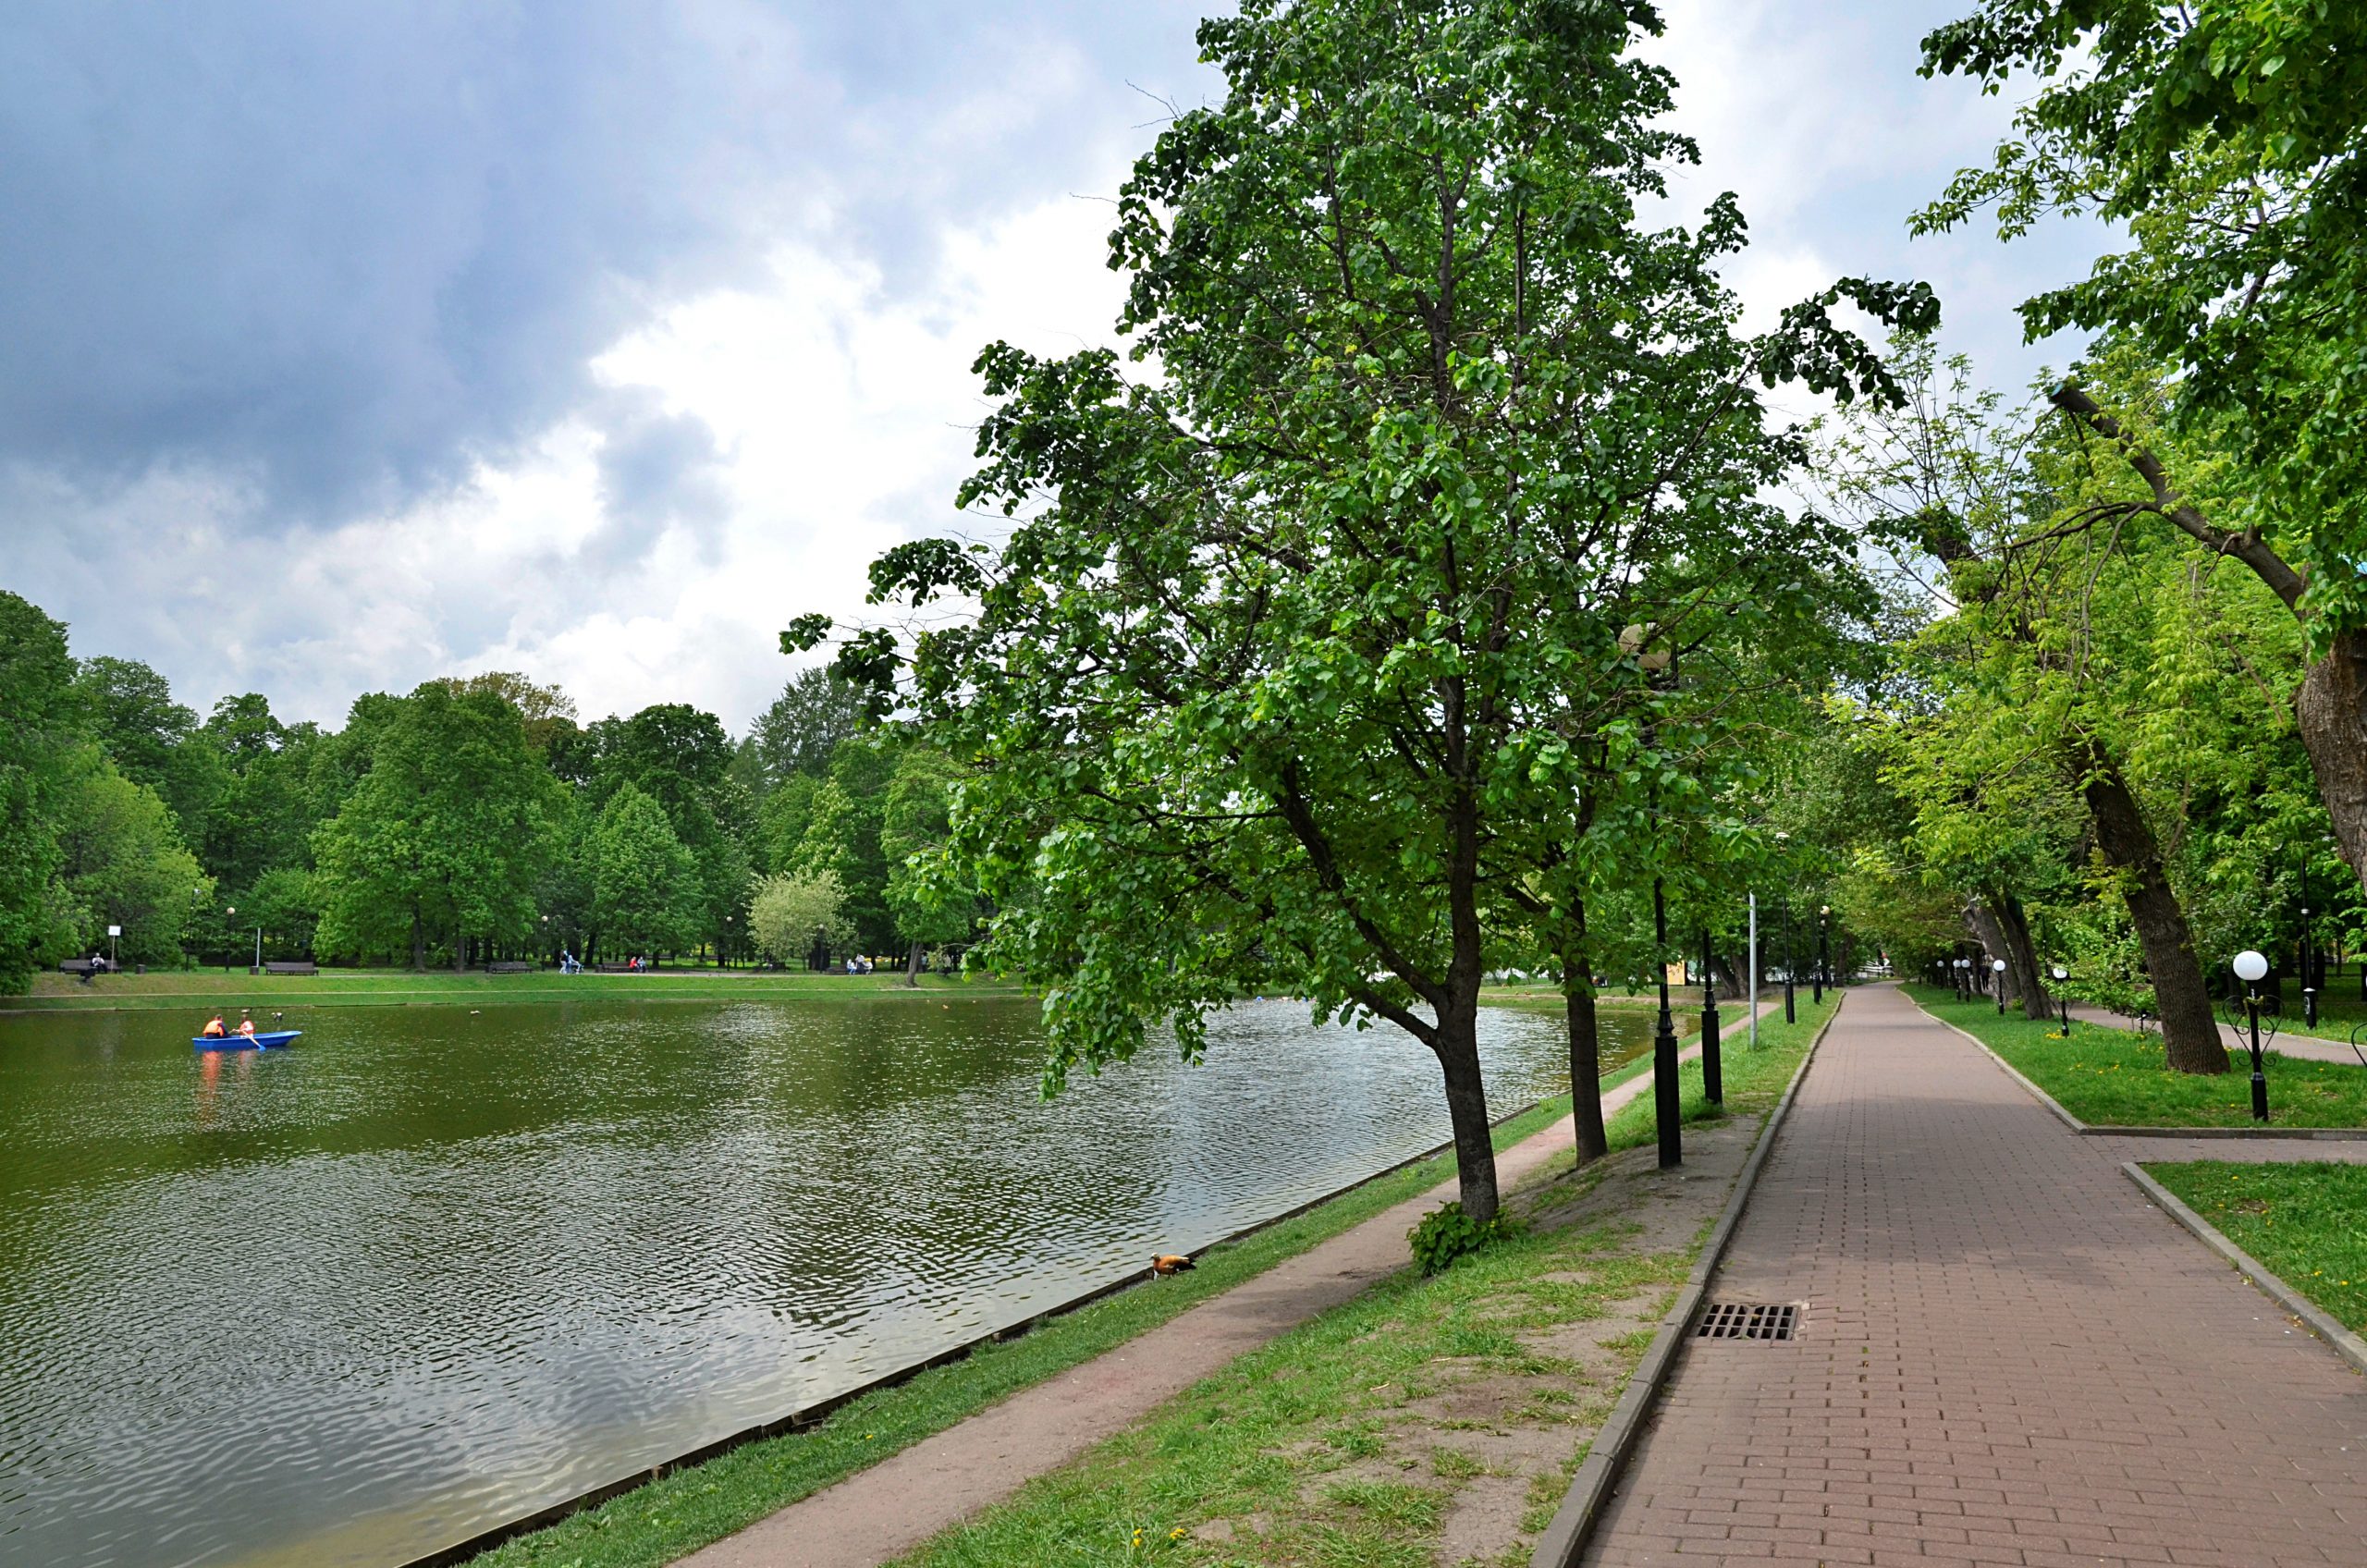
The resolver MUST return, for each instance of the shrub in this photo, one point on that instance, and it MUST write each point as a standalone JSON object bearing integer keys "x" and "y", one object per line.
{"x": 1448, "y": 1234}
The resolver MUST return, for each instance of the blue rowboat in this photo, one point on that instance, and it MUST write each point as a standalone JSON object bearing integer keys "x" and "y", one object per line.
{"x": 258, "y": 1042}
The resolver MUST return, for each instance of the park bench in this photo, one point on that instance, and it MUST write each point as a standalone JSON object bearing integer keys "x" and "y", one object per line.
{"x": 512, "y": 966}
{"x": 83, "y": 968}
{"x": 292, "y": 966}
{"x": 614, "y": 969}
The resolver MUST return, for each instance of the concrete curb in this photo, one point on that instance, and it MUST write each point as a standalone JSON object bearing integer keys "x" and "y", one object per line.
{"x": 2341, "y": 1341}
{"x": 1590, "y": 1489}
{"x": 2089, "y": 1130}
{"x": 821, "y": 1410}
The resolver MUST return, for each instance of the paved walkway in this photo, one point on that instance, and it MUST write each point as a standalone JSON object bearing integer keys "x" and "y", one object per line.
{"x": 2284, "y": 1043}
{"x": 2008, "y": 1355}
{"x": 891, "y": 1507}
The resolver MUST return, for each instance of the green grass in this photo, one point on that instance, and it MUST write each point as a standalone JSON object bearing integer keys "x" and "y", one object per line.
{"x": 1303, "y": 1436}
{"x": 685, "y": 1510}
{"x": 2306, "y": 1223}
{"x": 2118, "y": 1078}
{"x": 383, "y": 988}
{"x": 1304, "y": 1447}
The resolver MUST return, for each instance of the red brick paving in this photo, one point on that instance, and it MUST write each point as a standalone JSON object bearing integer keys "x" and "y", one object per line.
{"x": 2008, "y": 1355}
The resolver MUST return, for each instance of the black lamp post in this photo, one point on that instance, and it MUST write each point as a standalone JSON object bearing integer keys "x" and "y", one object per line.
{"x": 1823, "y": 975}
{"x": 1665, "y": 1104}
{"x": 2251, "y": 968}
{"x": 1997, "y": 973}
{"x": 1791, "y": 1014}
{"x": 2062, "y": 1001}
{"x": 1714, "y": 1087}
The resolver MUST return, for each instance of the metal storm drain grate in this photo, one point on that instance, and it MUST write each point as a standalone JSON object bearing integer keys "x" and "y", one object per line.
{"x": 1749, "y": 1320}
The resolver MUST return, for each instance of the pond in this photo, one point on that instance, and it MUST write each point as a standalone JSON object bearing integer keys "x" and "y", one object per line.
{"x": 433, "y": 1269}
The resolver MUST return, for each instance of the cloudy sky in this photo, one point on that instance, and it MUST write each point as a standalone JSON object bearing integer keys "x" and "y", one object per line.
{"x": 349, "y": 345}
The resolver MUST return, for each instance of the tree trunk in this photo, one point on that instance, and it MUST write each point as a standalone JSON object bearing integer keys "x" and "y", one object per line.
{"x": 1586, "y": 1046}
{"x": 2189, "y": 1034}
{"x": 1458, "y": 1047}
{"x": 460, "y": 951}
{"x": 418, "y": 939}
{"x": 2021, "y": 957}
{"x": 913, "y": 968}
{"x": 1982, "y": 924}
{"x": 2331, "y": 711}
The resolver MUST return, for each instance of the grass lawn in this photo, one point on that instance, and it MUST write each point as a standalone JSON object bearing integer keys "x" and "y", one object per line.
{"x": 395, "y": 987}
{"x": 682, "y": 1511}
{"x": 685, "y": 1510}
{"x": 2306, "y": 1223}
{"x": 2117, "y": 1078}
{"x": 1351, "y": 1440}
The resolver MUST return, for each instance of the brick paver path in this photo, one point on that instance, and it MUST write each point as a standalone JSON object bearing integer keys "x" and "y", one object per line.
{"x": 2009, "y": 1357}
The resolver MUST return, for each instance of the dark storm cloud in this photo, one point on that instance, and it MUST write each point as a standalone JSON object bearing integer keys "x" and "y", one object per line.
{"x": 343, "y": 250}
{"x": 657, "y": 470}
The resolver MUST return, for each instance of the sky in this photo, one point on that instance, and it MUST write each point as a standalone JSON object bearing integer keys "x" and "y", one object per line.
{"x": 347, "y": 346}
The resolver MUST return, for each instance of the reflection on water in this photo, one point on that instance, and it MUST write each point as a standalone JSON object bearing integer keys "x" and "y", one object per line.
{"x": 432, "y": 1270}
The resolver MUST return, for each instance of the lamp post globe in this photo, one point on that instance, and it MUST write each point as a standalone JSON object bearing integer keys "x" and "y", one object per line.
{"x": 2252, "y": 968}
{"x": 2062, "y": 1001}
{"x": 1997, "y": 968}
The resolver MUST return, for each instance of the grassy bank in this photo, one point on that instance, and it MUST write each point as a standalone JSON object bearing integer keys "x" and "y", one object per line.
{"x": 2118, "y": 1078}
{"x": 1356, "y": 1439}
{"x": 2303, "y": 1221}
{"x": 682, "y": 1511}
{"x": 383, "y": 988}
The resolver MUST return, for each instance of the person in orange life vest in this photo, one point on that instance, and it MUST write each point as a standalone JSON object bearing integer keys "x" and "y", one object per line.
{"x": 246, "y": 1023}
{"x": 212, "y": 1030}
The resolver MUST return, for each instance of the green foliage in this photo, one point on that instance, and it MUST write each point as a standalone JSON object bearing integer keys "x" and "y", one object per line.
{"x": 1446, "y": 1235}
{"x": 1429, "y": 503}
{"x": 644, "y": 894}
{"x": 448, "y": 833}
{"x": 926, "y": 895}
{"x": 39, "y": 719}
{"x": 799, "y": 734}
{"x": 122, "y": 862}
{"x": 2228, "y": 138}
{"x": 792, "y": 912}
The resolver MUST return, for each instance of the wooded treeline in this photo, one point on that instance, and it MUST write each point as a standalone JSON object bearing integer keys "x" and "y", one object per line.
{"x": 465, "y": 821}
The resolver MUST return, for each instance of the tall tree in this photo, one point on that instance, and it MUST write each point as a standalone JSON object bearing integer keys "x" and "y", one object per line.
{"x": 1254, "y": 675}
{"x": 644, "y": 891}
{"x": 930, "y": 903}
{"x": 123, "y": 862}
{"x": 802, "y": 729}
{"x": 447, "y": 835}
{"x": 39, "y": 719}
{"x": 153, "y": 738}
{"x": 2230, "y": 137}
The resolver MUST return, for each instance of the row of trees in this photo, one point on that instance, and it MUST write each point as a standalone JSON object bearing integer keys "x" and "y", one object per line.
{"x": 1408, "y": 603}
{"x": 468, "y": 819}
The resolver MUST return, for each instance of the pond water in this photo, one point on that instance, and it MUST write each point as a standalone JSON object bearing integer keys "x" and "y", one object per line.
{"x": 433, "y": 1269}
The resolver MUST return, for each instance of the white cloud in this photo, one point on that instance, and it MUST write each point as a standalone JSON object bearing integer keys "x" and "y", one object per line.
{"x": 843, "y": 416}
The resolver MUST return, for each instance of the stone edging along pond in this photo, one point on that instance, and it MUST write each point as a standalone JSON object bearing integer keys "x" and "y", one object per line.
{"x": 2323, "y": 1324}
{"x": 814, "y": 1414}
{"x": 1582, "y": 1505}
{"x": 2089, "y": 1130}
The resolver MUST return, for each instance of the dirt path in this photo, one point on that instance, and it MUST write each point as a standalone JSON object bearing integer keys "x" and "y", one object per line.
{"x": 886, "y": 1509}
